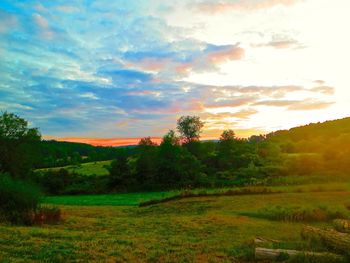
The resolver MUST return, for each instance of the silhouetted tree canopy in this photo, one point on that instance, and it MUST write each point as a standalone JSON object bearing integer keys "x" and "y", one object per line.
{"x": 17, "y": 142}
{"x": 189, "y": 128}
{"x": 228, "y": 135}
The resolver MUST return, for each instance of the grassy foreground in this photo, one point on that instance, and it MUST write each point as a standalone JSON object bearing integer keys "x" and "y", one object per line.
{"x": 199, "y": 229}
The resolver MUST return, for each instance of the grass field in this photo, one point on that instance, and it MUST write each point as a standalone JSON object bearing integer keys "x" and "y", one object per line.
{"x": 88, "y": 169}
{"x": 130, "y": 199}
{"x": 202, "y": 229}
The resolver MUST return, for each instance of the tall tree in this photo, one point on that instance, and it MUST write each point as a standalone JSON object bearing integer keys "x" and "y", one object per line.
{"x": 227, "y": 150}
{"x": 17, "y": 143}
{"x": 227, "y": 135}
{"x": 190, "y": 128}
{"x": 120, "y": 176}
{"x": 146, "y": 162}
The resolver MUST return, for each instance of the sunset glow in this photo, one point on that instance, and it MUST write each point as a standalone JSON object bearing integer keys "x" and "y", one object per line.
{"x": 88, "y": 71}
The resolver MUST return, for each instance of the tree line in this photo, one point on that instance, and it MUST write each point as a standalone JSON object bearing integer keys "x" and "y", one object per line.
{"x": 181, "y": 160}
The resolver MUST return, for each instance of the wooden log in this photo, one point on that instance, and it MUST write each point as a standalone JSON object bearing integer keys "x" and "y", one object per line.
{"x": 342, "y": 225}
{"x": 272, "y": 254}
{"x": 259, "y": 240}
{"x": 330, "y": 237}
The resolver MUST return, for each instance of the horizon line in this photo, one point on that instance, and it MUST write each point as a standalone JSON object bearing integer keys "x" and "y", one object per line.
{"x": 112, "y": 142}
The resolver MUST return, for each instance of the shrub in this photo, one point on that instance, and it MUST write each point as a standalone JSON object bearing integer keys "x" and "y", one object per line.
{"x": 18, "y": 200}
{"x": 61, "y": 182}
{"x": 47, "y": 215}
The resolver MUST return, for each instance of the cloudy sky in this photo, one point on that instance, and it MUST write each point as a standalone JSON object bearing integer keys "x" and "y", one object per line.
{"x": 123, "y": 69}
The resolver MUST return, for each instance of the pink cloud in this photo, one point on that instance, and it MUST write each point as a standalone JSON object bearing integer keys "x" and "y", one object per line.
{"x": 41, "y": 21}
{"x": 230, "y": 53}
{"x": 108, "y": 142}
{"x": 206, "y": 60}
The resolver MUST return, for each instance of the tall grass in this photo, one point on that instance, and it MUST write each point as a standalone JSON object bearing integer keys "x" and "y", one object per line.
{"x": 298, "y": 213}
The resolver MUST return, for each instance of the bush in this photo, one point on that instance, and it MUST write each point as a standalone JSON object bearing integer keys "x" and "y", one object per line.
{"x": 62, "y": 182}
{"x": 18, "y": 200}
{"x": 47, "y": 215}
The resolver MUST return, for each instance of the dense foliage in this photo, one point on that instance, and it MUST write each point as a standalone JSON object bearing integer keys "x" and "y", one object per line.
{"x": 17, "y": 145}
{"x": 18, "y": 200}
{"x": 315, "y": 148}
{"x": 56, "y": 154}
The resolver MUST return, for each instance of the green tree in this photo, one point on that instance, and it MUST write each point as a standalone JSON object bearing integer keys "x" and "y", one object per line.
{"x": 171, "y": 138}
{"x": 227, "y": 150}
{"x": 190, "y": 128}
{"x": 146, "y": 163}
{"x": 168, "y": 160}
{"x": 228, "y": 136}
{"x": 120, "y": 176}
{"x": 17, "y": 144}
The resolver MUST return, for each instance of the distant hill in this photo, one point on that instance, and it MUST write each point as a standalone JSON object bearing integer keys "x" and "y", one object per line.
{"x": 56, "y": 153}
{"x": 328, "y": 129}
{"x": 320, "y": 147}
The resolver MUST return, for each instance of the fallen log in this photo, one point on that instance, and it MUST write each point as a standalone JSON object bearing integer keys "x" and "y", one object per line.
{"x": 259, "y": 240}
{"x": 342, "y": 225}
{"x": 272, "y": 254}
{"x": 330, "y": 237}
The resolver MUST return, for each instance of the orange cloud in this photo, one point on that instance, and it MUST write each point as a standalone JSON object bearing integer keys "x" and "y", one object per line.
{"x": 310, "y": 105}
{"x": 221, "y": 56}
{"x": 281, "y": 44}
{"x": 243, "y": 114}
{"x": 307, "y": 104}
{"x": 276, "y": 103}
{"x": 231, "y": 103}
{"x": 327, "y": 90}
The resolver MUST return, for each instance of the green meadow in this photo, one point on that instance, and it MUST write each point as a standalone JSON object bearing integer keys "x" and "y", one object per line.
{"x": 98, "y": 168}
{"x": 112, "y": 228}
{"x": 127, "y": 199}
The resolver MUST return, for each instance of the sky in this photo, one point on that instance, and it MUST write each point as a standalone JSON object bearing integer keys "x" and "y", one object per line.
{"x": 106, "y": 72}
